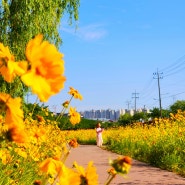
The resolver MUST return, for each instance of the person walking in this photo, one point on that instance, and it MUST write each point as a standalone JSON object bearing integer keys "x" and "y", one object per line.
{"x": 99, "y": 139}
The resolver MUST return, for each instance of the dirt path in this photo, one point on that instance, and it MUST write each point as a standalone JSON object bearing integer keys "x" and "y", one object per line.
{"x": 140, "y": 173}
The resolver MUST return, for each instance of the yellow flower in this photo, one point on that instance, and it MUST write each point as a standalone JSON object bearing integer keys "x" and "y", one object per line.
{"x": 75, "y": 93}
{"x": 73, "y": 143}
{"x": 8, "y": 67}
{"x": 74, "y": 116}
{"x": 37, "y": 182}
{"x": 17, "y": 134}
{"x": 88, "y": 176}
{"x": 40, "y": 118}
{"x": 57, "y": 168}
{"x": 65, "y": 104}
{"x": 112, "y": 172}
{"x": 5, "y": 156}
{"x": 121, "y": 164}
{"x": 13, "y": 118}
{"x": 14, "y": 115}
{"x": 21, "y": 152}
{"x": 48, "y": 166}
{"x": 69, "y": 177}
{"x": 45, "y": 76}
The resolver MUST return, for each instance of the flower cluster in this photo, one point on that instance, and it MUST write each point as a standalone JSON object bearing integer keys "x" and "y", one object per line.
{"x": 25, "y": 138}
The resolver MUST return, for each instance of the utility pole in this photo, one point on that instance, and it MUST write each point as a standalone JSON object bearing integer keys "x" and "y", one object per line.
{"x": 128, "y": 103}
{"x": 158, "y": 76}
{"x": 135, "y": 96}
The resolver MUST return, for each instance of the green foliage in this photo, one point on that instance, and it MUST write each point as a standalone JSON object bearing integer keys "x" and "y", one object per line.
{"x": 15, "y": 89}
{"x": 125, "y": 119}
{"x": 155, "y": 113}
{"x": 38, "y": 110}
{"x": 178, "y": 105}
{"x": 139, "y": 116}
{"x": 165, "y": 113}
{"x": 84, "y": 124}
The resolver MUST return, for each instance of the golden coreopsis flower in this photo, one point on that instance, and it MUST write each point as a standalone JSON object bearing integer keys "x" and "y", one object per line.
{"x": 48, "y": 166}
{"x": 88, "y": 176}
{"x": 5, "y": 156}
{"x": 37, "y": 182}
{"x": 75, "y": 93}
{"x": 74, "y": 116}
{"x": 11, "y": 106}
{"x": 69, "y": 177}
{"x": 13, "y": 117}
{"x": 9, "y": 69}
{"x": 45, "y": 76}
{"x": 21, "y": 152}
{"x": 73, "y": 143}
{"x": 57, "y": 168}
{"x": 121, "y": 164}
{"x": 65, "y": 104}
{"x": 40, "y": 118}
{"x": 112, "y": 172}
{"x": 17, "y": 135}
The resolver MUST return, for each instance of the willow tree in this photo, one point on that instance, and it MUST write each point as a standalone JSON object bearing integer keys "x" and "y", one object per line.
{"x": 21, "y": 20}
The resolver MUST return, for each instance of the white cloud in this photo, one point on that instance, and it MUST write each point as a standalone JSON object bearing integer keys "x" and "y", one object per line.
{"x": 91, "y": 32}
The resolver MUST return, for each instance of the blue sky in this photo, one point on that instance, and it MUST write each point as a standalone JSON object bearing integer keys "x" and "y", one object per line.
{"x": 115, "y": 50}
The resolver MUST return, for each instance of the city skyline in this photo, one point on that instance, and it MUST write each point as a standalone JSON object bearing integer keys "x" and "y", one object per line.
{"x": 109, "y": 114}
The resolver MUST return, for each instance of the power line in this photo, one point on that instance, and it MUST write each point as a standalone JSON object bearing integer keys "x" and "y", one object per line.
{"x": 174, "y": 68}
{"x": 173, "y": 96}
{"x": 149, "y": 88}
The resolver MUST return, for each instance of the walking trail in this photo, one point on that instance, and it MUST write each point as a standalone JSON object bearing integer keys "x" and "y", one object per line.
{"x": 140, "y": 173}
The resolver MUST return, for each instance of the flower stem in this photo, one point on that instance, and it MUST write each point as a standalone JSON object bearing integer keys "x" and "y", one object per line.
{"x": 63, "y": 110}
{"x": 109, "y": 180}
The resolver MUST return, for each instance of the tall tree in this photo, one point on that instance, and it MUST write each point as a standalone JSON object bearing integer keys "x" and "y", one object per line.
{"x": 21, "y": 20}
{"x": 178, "y": 105}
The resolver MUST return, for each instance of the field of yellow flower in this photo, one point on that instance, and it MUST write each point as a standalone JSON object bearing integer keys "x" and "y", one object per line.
{"x": 161, "y": 144}
{"x": 33, "y": 151}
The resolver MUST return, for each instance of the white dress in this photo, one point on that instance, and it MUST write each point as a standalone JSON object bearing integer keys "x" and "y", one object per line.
{"x": 99, "y": 139}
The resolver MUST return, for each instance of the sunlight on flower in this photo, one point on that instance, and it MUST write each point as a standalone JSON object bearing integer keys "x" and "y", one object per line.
{"x": 65, "y": 104}
{"x": 75, "y": 93}
{"x": 121, "y": 164}
{"x": 48, "y": 166}
{"x": 14, "y": 115}
{"x": 5, "y": 156}
{"x": 21, "y": 152}
{"x": 8, "y": 67}
{"x": 17, "y": 134}
{"x": 45, "y": 76}
{"x": 73, "y": 143}
{"x": 74, "y": 116}
{"x": 112, "y": 172}
{"x": 88, "y": 176}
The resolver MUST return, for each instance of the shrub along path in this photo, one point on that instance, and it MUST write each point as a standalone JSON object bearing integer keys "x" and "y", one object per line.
{"x": 140, "y": 173}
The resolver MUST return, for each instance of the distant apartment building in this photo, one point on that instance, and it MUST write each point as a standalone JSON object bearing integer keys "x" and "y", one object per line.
{"x": 109, "y": 114}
